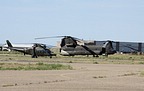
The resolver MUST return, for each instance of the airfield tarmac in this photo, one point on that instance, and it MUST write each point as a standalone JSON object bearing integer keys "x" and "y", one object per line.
{"x": 84, "y": 77}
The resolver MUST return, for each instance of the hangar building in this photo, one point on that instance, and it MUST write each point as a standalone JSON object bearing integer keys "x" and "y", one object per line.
{"x": 125, "y": 47}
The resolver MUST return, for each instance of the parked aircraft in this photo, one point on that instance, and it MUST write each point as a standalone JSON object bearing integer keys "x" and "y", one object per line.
{"x": 1, "y": 47}
{"x": 71, "y": 46}
{"x": 34, "y": 49}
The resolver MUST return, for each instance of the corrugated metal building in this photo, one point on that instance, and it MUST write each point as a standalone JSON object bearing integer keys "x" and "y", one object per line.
{"x": 126, "y": 47}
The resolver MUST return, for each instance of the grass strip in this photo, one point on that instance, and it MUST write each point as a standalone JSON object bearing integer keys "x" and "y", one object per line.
{"x": 37, "y": 66}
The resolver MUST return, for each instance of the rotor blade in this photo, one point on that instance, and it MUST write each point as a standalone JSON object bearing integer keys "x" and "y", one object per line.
{"x": 56, "y": 37}
{"x": 77, "y": 39}
{"x": 130, "y": 47}
{"x": 50, "y": 37}
{"x": 89, "y": 50}
{"x": 43, "y": 37}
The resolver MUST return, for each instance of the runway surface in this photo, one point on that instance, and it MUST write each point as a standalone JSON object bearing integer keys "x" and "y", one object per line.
{"x": 84, "y": 77}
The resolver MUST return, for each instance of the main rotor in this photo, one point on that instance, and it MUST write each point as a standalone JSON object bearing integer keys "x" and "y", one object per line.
{"x": 77, "y": 39}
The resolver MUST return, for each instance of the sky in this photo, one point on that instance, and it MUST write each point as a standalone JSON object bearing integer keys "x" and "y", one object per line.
{"x": 21, "y": 21}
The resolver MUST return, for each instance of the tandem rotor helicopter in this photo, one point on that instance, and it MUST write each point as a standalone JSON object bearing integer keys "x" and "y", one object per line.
{"x": 71, "y": 46}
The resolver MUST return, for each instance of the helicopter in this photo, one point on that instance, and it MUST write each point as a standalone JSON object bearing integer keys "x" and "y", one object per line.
{"x": 34, "y": 49}
{"x": 71, "y": 46}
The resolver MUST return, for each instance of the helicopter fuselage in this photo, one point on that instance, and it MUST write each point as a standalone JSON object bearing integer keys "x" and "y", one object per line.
{"x": 82, "y": 50}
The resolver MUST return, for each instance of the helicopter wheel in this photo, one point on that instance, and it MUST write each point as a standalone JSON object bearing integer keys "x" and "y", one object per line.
{"x": 97, "y": 56}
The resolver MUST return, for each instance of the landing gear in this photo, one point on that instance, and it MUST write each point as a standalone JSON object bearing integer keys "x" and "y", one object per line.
{"x": 106, "y": 55}
{"x": 95, "y": 56}
{"x": 34, "y": 55}
{"x": 50, "y": 56}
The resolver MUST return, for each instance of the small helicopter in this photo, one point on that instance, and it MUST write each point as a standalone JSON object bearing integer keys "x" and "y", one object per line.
{"x": 34, "y": 49}
{"x": 71, "y": 46}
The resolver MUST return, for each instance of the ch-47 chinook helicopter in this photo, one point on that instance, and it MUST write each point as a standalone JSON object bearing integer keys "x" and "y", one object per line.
{"x": 40, "y": 49}
{"x": 71, "y": 46}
